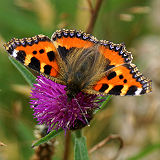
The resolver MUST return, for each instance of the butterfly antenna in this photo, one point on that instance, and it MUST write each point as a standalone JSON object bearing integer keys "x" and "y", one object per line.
{"x": 82, "y": 111}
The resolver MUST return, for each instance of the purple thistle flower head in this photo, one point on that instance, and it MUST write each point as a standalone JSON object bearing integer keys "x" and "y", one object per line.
{"x": 51, "y": 106}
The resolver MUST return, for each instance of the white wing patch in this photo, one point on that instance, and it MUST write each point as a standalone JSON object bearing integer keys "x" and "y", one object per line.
{"x": 138, "y": 91}
{"x": 14, "y": 54}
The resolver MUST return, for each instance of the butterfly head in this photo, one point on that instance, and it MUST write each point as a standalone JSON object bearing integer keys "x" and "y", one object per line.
{"x": 72, "y": 89}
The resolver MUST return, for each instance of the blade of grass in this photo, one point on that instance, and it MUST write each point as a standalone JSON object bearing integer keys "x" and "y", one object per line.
{"x": 147, "y": 150}
{"x": 29, "y": 77}
{"x": 47, "y": 137}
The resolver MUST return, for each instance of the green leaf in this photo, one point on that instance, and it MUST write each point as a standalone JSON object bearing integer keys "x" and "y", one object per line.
{"x": 80, "y": 148}
{"x": 103, "y": 105}
{"x": 29, "y": 77}
{"x": 106, "y": 101}
{"x": 47, "y": 137}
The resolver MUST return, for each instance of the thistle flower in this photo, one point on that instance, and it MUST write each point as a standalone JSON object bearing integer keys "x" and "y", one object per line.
{"x": 51, "y": 106}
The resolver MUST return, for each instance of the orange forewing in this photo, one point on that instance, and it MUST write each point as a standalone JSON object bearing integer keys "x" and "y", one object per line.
{"x": 38, "y": 51}
{"x": 43, "y": 58}
{"x": 115, "y": 54}
{"x": 73, "y": 42}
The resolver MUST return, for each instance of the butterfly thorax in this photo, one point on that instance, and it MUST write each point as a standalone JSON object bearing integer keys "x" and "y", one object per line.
{"x": 82, "y": 69}
{"x": 72, "y": 90}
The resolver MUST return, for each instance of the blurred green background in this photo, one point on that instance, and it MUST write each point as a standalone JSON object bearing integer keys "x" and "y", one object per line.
{"x": 135, "y": 119}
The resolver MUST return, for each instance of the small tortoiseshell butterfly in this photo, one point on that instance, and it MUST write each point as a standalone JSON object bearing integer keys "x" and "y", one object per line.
{"x": 82, "y": 63}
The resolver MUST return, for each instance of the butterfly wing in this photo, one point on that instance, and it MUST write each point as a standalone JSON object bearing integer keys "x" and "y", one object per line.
{"x": 66, "y": 40}
{"x": 122, "y": 80}
{"x": 37, "y": 53}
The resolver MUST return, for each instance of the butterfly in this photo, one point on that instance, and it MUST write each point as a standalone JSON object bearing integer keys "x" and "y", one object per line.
{"x": 81, "y": 62}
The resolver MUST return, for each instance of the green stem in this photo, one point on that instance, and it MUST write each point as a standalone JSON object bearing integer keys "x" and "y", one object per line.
{"x": 80, "y": 147}
{"x": 78, "y": 133}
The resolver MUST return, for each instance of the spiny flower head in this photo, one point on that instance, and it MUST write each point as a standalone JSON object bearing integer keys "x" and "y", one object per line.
{"x": 52, "y": 108}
